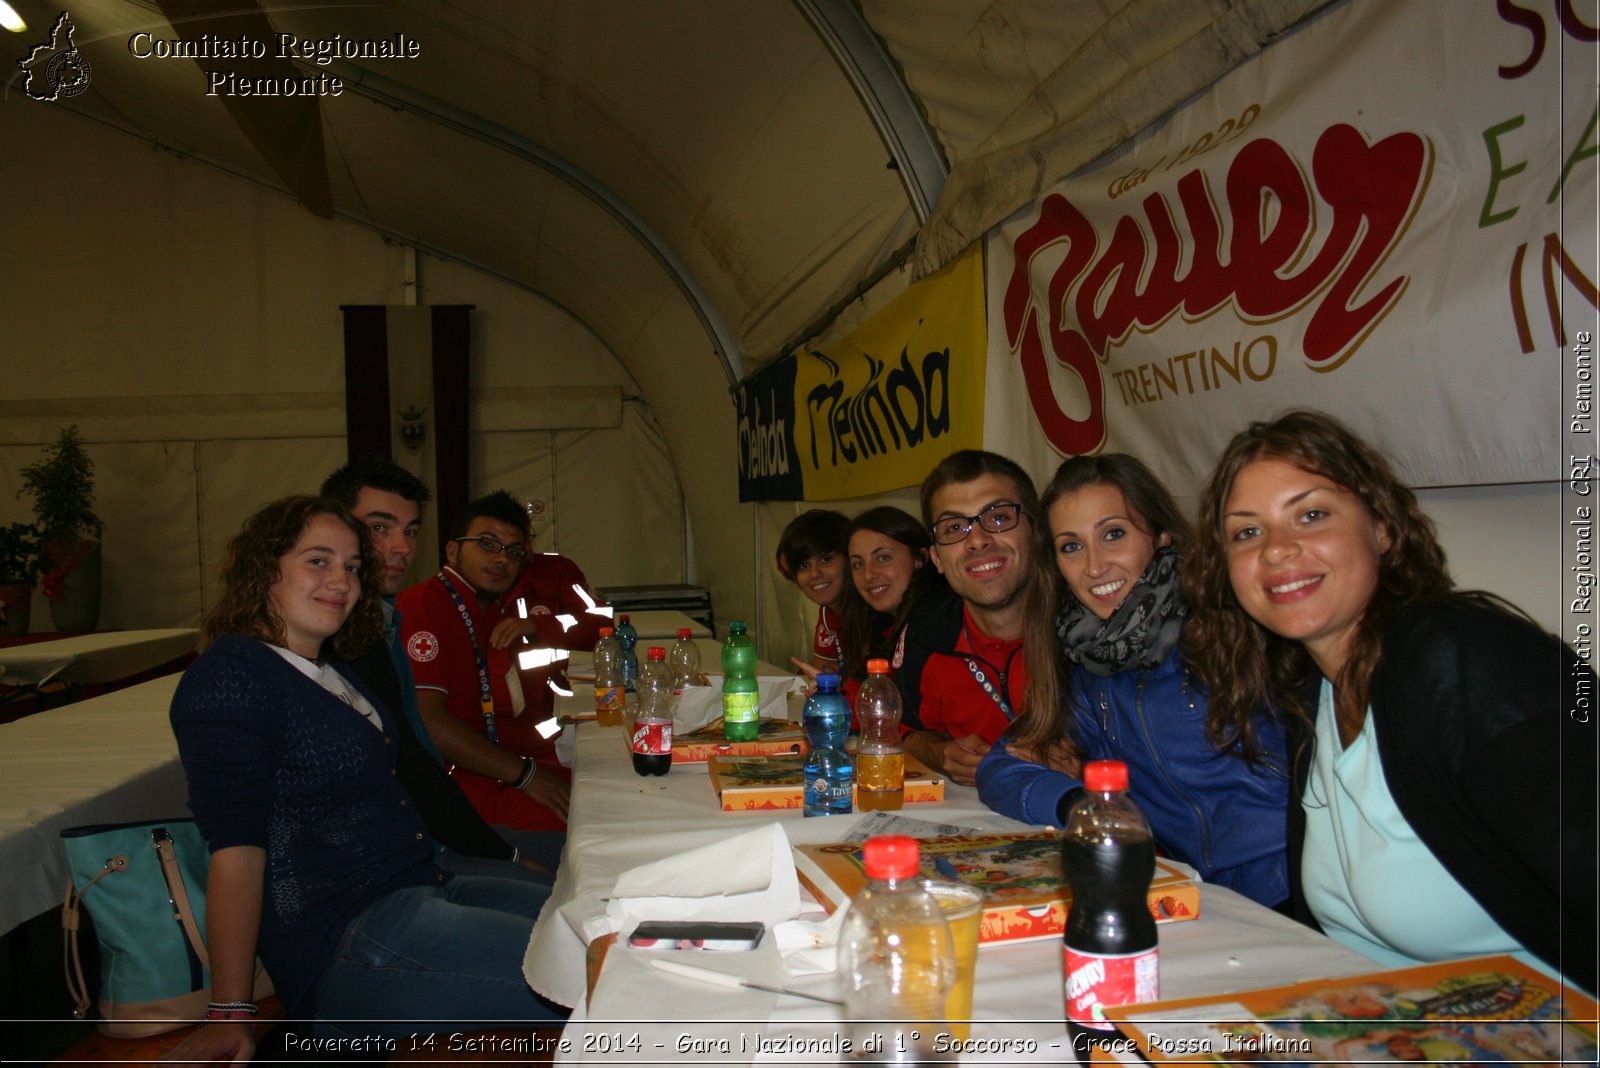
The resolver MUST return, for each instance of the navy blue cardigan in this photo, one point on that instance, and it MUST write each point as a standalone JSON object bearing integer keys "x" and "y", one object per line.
{"x": 276, "y": 761}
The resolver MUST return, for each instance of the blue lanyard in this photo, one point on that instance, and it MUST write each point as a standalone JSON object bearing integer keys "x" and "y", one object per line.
{"x": 997, "y": 695}
{"x": 485, "y": 695}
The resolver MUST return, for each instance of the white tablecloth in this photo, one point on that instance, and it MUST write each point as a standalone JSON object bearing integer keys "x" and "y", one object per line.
{"x": 92, "y": 658}
{"x": 110, "y": 759}
{"x": 658, "y": 625}
{"x": 620, "y": 820}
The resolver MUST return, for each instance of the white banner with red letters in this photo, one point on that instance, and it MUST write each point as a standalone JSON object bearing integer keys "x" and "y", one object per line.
{"x": 1389, "y": 215}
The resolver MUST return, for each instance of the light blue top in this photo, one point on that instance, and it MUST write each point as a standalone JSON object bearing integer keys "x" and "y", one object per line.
{"x": 1369, "y": 880}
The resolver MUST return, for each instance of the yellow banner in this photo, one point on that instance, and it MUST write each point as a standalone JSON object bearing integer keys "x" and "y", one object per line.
{"x": 876, "y": 409}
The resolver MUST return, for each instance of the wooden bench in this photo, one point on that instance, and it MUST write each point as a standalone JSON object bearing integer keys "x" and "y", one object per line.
{"x": 98, "y": 1047}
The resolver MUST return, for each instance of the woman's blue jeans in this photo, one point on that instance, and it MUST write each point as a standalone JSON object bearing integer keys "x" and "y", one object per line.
{"x": 435, "y": 958}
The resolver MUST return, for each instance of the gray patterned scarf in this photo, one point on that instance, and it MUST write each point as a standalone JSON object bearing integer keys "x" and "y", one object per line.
{"x": 1139, "y": 634}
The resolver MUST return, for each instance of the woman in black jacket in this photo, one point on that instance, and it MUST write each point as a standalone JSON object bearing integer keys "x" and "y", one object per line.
{"x": 1443, "y": 758}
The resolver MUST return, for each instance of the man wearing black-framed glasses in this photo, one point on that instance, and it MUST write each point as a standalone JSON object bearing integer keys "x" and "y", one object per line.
{"x": 963, "y": 672}
{"x": 462, "y": 634}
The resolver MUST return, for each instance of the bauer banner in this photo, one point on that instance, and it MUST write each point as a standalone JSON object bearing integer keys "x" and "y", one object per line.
{"x": 1388, "y": 215}
{"x": 876, "y": 409}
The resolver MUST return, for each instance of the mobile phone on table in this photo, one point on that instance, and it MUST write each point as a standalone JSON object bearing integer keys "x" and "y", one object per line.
{"x": 709, "y": 935}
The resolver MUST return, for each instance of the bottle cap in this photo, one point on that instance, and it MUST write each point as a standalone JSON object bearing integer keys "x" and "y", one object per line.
{"x": 656, "y": 653}
{"x": 828, "y": 680}
{"x": 622, "y": 618}
{"x": 891, "y": 856}
{"x": 684, "y": 632}
{"x": 877, "y": 666}
{"x": 1104, "y": 776}
{"x": 606, "y": 632}
{"x": 736, "y": 626}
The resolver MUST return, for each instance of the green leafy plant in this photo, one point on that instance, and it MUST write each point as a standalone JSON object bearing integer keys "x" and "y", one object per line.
{"x": 62, "y": 486}
{"x": 22, "y": 557}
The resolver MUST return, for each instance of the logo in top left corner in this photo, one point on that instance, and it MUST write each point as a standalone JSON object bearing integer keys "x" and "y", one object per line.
{"x": 55, "y": 70}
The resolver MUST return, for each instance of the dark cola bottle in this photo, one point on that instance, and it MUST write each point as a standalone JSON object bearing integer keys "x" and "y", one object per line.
{"x": 652, "y": 728}
{"x": 1110, "y": 954}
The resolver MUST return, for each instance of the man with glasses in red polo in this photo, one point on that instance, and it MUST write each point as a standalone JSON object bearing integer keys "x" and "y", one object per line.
{"x": 463, "y": 656}
{"x": 961, "y": 667}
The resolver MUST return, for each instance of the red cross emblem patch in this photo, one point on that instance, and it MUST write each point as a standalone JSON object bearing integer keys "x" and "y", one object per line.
{"x": 422, "y": 646}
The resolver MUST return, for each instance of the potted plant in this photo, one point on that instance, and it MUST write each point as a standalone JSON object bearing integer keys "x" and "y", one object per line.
{"x": 62, "y": 487}
{"x": 21, "y": 561}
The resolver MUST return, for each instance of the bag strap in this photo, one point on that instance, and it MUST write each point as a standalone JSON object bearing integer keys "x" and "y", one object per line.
{"x": 179, "y": 893}
{"x": 71, "y": 965}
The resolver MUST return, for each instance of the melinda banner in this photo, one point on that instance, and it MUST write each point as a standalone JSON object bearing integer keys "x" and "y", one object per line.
{"x": 1389, "y": 215}
{"x": 876, "y": 409}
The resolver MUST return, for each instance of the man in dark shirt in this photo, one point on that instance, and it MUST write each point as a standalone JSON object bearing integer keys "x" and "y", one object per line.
{"x": 389, "y": 499}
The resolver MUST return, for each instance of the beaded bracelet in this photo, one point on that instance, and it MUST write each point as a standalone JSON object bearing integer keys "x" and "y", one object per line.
{"x": 233, "y": 1006}
{"x": 230, "y": 1011}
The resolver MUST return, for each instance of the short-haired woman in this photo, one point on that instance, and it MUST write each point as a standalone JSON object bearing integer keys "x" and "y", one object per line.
{"x": 811, "y": 554}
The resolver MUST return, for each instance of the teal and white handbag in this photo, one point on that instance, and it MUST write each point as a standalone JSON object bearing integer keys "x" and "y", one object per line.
{"x": 144, "y": 885}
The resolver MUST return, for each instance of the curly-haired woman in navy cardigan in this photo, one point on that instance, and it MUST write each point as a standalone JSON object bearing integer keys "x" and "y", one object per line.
{"x": 320, "y": 863}
{"x": 1444, "y": 769}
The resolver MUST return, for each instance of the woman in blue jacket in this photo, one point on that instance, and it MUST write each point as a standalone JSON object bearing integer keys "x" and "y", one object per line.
{"x": 1121, "y": 689}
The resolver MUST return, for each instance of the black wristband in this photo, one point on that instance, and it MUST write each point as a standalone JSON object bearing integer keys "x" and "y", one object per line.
{"x": 529, "y": 770}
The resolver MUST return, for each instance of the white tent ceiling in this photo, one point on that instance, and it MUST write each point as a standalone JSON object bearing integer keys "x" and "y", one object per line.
{"x": 616, "y": 156}
{"x": 699, "y": 183}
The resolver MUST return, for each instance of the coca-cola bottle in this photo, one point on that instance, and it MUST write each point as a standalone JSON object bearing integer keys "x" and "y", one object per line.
{"x": 652, "y": 729}
{"x": 1110, "y": 953}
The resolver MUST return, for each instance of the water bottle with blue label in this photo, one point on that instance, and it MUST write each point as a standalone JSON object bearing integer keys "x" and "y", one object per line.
{"x": 829, "y": 772}
{"x": 628, "y": 637}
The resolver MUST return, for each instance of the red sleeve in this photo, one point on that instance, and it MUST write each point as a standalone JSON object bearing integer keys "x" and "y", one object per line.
{"x": 548, "y": 581}
{"x": 428, "y": 633}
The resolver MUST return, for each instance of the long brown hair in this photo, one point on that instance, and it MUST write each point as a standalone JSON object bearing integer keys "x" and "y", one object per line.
{"x": 1247, "y": 666}
{"x": 253, "y": 566}
{"x": 859, "y": 640}
{"x": 1047, "y": 715}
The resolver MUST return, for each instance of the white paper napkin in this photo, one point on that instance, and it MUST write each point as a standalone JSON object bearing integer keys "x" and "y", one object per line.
{"x": 810, "y": 946}
{"x": 714, "y": 1025}
{"x": 745, "y": 877}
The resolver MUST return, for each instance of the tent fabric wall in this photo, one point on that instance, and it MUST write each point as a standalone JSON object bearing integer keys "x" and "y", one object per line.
{"x": 756, "y": 169}
{"x": 1475, "y": 525}
{"x": 207, "y": 377}
{"x": 1021, "y": 98}
{"x": 784, "y": 625}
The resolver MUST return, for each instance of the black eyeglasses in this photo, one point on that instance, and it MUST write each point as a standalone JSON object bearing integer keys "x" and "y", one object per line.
{"x": 494, "y": 547}
{"x": 998, "y": 517}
